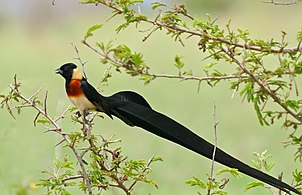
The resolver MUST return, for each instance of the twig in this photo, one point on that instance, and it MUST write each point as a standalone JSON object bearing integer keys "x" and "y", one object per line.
{"x": 80, "y": 60}
{"x": 60, "y": 142}
{"x": 281, "y": 3}
{"x": 151, "y": 32}
{"x": 36, "y": 118}
{"x": 117, "y": 13}
{"x": 120, "y": 183}
{"x": 36, "y": 93}
{"x": 45, "y": 101}
{"x": 72, "y": 178}
{"x": 62, "y": 115}
{"x": 143, "y": 171}
{"x": 215, "y": 147}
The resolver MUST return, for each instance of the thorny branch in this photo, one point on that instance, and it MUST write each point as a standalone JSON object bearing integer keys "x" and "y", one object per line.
{"x": 176, "y": 28}
{"x": 231, "y": 54}
{"x": 223, "y": 41}
{"x": 246, "y": 73}
{"x": 57, "y": 128}
{"x": 282, "y": 3}
{"x": 154, "y": 75}
{"x": 101, "y": 152}
{"x": 120, "y": 183}
{"x": 79, "y": 59}
{"x": 143, "y": 171}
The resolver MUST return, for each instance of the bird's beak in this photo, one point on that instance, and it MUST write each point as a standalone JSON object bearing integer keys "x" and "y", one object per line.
{"x": 58, "y": 71}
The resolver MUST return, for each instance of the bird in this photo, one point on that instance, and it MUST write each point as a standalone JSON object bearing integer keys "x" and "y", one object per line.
{"x": 134, "y": 110}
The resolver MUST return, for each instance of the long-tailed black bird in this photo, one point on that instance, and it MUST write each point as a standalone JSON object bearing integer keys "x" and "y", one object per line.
{"x": 134, "y": 110}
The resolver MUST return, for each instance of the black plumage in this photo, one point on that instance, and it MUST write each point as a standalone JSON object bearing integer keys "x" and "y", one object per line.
{"x": 134, "y": 110}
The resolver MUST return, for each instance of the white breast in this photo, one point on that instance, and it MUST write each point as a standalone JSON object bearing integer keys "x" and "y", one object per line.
{"x": 82, "y": 103}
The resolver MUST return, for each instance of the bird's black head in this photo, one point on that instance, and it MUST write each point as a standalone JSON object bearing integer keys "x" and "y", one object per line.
{"x": 66, "y": 70}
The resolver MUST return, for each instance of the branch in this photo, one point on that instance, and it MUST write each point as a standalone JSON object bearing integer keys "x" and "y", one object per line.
{"x": 215, "y": 146}
{"x": 143, "y": 171}
{"x": 181, "y": 77}
{"x": 80, "y": 60}
{"x": 72, "y": 178}
{"x": 281, "y": 3}
{"x": 199, "y": 34}
{"x": 87, "y": 129}
{"x": 261, "y": 84}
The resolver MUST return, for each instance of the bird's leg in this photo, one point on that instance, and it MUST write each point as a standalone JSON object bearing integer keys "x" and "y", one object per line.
{"x": 87, "y": 124}
{"x": 85, "y": 128}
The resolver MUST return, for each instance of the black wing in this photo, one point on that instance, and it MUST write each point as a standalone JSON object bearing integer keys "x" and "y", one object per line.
{"x": 165, "y": 127}
{"x": 95, "y": 98}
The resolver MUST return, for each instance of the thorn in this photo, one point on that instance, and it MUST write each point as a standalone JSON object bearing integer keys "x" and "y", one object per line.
{"x": 63, "y": 140}
{"x": 36, "y": 118}
{"x": 53, "y": 130}
{"x": 45, "y": 100}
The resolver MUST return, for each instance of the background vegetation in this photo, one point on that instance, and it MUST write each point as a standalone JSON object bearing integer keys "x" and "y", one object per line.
{"x": 35, "y": 39}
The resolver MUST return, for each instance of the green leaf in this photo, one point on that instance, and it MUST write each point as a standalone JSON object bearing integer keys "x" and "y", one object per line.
{"x": 298, "y": 68}
{"x": 210, "y": 65}
{"x": 262, "y": 161}
{"x": 232, "y": 171}
{"x": 253, "y": 185}
{"x": 155, "y": 159}
{"x": 292, "y": 104}
{"x": 43, "y": 121}
{"x": 248, "y": 92}
{"x": 147, "y": 79}
{"x": 196, "y": 182}
{"x": 220, "y": 192}
{"x": 299, "y": 35}
{"x": 90, "y": 30}
{"x": 297, "y": 175}
{"x": 122, "y": 27}
{"x": 157, "y": 4}
{"x": 257, "y": 108}
{"x": 178, "y": 62}
{"x": 73, "y": 108}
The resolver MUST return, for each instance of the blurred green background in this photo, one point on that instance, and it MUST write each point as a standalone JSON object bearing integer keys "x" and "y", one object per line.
{"x": 36, "y": 38}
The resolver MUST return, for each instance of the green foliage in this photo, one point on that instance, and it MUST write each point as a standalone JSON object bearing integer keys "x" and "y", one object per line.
{"x": 262, "y": 161}
{"x": 96, "y": 168}
{"x": 296, "y": 141}
{"x": 197, "y": 182}
{"x": 264, "y": 72}
{"x": 253, "y": 185}
{"x": 156, "y": 5}
{"x": 299, "y": 35}
{"x": 58, "y": 177}
{"x": 24, "y": 189}
{"x": 91, "y": 30}
{"x": 258, "y": 81}
{"x": 232, "y": 171}
{"x": 268, "y": 82}
{"x": 43, "y": 121}
{"x": 298, "y": 176}
{"x": 212, "y": 186}
{"x": 179, "y": 64}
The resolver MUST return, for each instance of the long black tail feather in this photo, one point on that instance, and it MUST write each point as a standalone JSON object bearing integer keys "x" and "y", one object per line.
{"x": 167, "y": 128}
